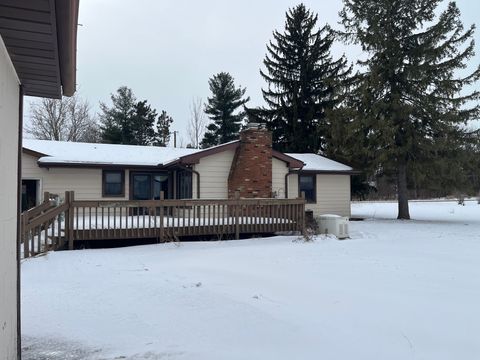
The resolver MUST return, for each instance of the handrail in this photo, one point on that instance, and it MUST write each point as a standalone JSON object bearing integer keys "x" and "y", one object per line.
{"x": 46, "y": 216}
{"x": 41, "y": 226}
{"x": 186, "y": 202}
{"x": 40, "y": 208}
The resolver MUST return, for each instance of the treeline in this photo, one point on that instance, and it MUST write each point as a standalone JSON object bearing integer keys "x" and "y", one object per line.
{"x": 125, "y": 121}
{"x": 402, "y": 113}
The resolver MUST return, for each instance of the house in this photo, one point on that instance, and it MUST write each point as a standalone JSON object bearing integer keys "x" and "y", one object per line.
{"x": 248, "y": 166}
{"x": 37, "y": 58}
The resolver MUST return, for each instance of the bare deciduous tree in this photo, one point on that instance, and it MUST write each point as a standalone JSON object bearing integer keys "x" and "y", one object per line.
{"x": 196, "y": 124}
{"x": 66, "y": 119}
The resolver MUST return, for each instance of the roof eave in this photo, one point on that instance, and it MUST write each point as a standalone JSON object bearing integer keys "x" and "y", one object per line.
{"x": 41, "y": 40}
{"x": 67, "y": 24}
{"x": 292, "y": 162}
{"x": 194, "y": 158}
{"x": 33, "y": 153}
{"x": 328, "y": 172}
{"x": 94, "y": 165}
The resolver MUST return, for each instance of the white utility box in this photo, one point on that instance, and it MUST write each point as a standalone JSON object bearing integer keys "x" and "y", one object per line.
{"x": 333, "y": 224}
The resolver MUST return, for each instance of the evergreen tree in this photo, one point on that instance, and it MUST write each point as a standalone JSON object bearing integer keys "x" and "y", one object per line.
{"x": 163, "y": 129}
{"x": 304, "y": 83}
{"x": 133, "y": 123}
{"x": 143, "y": 121}
{"x": 222, "y": 108}
{"x": 116, "y": 121}
{"x": 412, "y": 109}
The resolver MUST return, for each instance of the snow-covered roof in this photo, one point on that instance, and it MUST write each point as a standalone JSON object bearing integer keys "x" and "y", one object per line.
{"x": 315, "y": 162}
{"x": 75, "y": 153}
{"x": 61, "y": 152}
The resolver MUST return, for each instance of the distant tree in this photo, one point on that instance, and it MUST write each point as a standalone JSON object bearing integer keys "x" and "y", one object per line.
{"x": 162, "y": 137}
{"x": 117, "y": 121}
{"x": 66, "y": 119}
{"x": 223, "y": 110}
{"x": 304, "y": 83}
{"x": 132, "y": 122}
{"x": 143, "y": 120}
{"x": 413, "y": 106}
{"x": 196, "y": 124}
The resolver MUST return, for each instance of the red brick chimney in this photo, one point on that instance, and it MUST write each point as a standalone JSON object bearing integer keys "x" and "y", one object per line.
{"x": 251, "y": 171}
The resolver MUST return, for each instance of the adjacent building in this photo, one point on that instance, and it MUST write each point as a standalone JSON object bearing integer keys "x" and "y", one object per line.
{"x": 37, "y": 58}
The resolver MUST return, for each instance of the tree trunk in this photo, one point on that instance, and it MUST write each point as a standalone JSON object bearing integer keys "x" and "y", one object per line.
{"x": 403, "y": 212}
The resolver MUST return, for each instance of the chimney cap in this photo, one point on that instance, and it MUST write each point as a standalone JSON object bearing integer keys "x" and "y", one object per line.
{"x": 255, "y": 126}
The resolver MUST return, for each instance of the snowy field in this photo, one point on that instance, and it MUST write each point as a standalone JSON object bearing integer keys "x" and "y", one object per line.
{"x": 396, "y": 290}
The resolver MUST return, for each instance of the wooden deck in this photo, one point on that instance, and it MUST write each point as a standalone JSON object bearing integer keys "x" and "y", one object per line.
{"x": 51, "y": 226}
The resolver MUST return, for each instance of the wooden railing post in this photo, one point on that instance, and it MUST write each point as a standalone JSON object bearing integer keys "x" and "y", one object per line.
{"x": 70, "y": 195}
{"x": 162, "y": 198}
{"x": 24, "y": 236}
{"x": 66, "y": 220}
{"x": 46, "y": 196}
{"x": 302, "y": 223}
{"x": 237, "y": 219}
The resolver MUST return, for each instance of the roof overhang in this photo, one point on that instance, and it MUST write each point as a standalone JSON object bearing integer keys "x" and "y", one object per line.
{"x": 291, "y": 161}
{"x": 328, "y": 172}
{"x": 41, "y": 39}
{"x": 86, "y": 165}
{"x": 33, "y": 153}
{"x": 193, "y": 159}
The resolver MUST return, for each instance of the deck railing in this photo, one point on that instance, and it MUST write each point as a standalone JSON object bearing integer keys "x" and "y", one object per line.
{"x": 49, "y": 226}
{"x": 43, "y": 228}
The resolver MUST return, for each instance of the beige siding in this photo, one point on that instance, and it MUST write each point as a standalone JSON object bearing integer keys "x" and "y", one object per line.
{"x": 333, "y": 194}
{"x": 279, "y": 170}
{"x": 213, "y": 170}
{"x": 293, "y": 186}
{"x": 9, "y": 96}
{"x": 86, "y": 183}
{"x": 30, "y": 168}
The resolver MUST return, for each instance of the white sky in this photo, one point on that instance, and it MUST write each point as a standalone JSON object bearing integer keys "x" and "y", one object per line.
{"x": 167, "y": 50}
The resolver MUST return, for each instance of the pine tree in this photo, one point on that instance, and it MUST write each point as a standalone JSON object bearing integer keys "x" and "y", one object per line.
{"x": 222, "y": 108}
{"x": 163, "y": 129}
{"x": 117, "y": 125}
{"x": 143, "y": 121}
{"x": 132, "y": 123}
{"x": 413, "y": 109}
{"x": 304, "y": 83}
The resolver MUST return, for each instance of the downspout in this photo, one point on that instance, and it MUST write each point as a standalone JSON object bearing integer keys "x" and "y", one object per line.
{"x": 193, "y": 172}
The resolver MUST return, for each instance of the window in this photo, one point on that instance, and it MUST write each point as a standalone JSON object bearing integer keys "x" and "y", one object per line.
{"x": 149, "y": 186}
{"x": 307, "y": 184}
{"x": 113, "y": 183}
{"x": 184, "y": 185}
{"x": 160, "y": 183}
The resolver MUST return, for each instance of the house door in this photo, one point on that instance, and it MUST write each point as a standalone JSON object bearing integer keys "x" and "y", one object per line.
{"x": 147, "y": 186}
{"x": 29, "y": 194}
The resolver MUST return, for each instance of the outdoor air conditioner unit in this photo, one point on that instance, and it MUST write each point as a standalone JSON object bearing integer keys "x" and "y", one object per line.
{"x": 333, "y": 224}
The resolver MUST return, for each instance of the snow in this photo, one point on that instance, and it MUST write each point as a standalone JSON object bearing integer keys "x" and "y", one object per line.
{"x": 315, "y": 162}
{"x": 144, "y": 222}
{"x": 329, "y": 216}
{"x": 62, "y": 152}
{"x": 105, "y": 154}
{"x": 395, "y": 290}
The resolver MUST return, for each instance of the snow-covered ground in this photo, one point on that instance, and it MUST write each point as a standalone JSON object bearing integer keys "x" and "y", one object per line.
{"x": 396, "y": 290}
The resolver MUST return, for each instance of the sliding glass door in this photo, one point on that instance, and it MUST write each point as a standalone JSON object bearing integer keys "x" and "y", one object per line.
{"x": 147, "y": 186}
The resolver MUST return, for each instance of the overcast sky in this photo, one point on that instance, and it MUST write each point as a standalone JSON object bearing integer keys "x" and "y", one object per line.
{"x": 167, "y": 50}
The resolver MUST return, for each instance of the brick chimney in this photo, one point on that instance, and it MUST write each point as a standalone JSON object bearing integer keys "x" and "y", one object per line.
{"x": 251, "y": 171}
